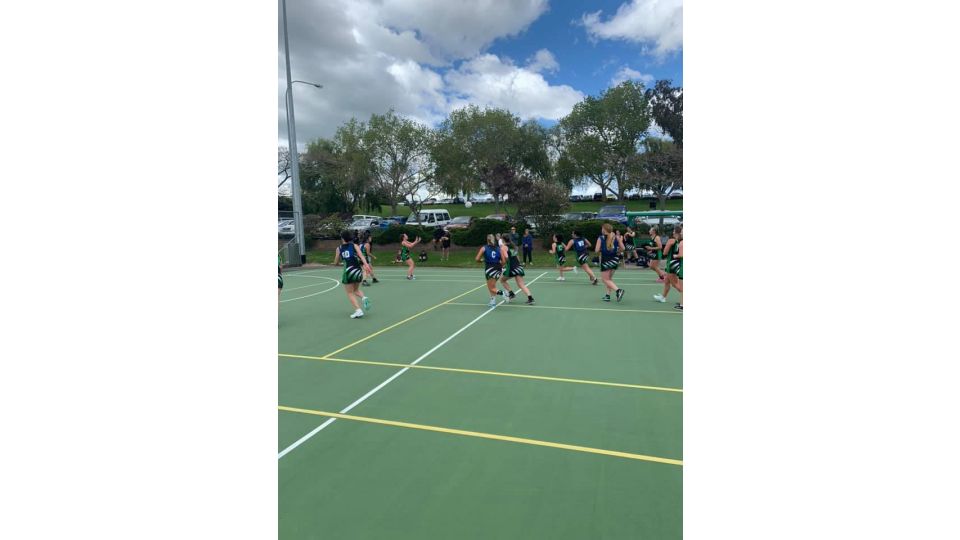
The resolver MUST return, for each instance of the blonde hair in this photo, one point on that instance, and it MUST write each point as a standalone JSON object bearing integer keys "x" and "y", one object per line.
{"x": 608, "y": 231}
{"x": 491, "y": 240}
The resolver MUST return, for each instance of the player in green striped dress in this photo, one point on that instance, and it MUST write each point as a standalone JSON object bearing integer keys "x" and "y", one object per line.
{"x": 655, "y": 253}
{"x": 559, "y": 251}
{"x": 508, "y": 252}
{"x": 367, "y": 251}
{"x": 671, "y": 255}
{"x": 405, "y": 246}
{"x": 679, "y": 306}
{"x": 354, "y": 264}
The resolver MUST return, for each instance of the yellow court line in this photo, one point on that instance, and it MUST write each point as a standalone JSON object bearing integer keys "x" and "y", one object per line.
{"x": 375, "y": 334}
{"x": 483, "y": 372}
{"x": 524, "y": 306}
{"x": 477, "y": 434}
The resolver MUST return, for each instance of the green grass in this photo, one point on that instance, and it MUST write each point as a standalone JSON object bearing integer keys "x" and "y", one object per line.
{"x": 483, "y": 210}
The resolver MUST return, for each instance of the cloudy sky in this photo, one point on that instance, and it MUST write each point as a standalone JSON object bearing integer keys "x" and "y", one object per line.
{"x": 424, "y": 58}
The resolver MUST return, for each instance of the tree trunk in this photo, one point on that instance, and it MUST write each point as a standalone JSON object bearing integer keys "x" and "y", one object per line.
{"x": 393, "y": 208}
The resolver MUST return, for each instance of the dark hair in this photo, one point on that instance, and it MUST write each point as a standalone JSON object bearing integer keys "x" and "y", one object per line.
{"x": 577, "y": 233}
{"x": 346, "y": 236}
{"x": 559, "y": 237}
{"x": 506, "y": 240}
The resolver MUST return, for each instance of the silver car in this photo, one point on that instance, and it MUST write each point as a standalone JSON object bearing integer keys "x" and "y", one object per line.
{"x": 286, "y": 228}
{"x": 363, "y": 225}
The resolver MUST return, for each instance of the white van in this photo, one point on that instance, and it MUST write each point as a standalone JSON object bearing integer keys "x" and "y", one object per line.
{"x": 430, "y": 218}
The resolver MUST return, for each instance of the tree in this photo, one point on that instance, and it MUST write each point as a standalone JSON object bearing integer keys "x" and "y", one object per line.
{"x": 543, "y": 198}
{"x": 602, "y": 134}
{"x": 666, "y": 107}
{"x": 659, "y": 168}
{"x": 322, "y": 188}
{"x": 284, "y": 165}
{"x": 399, "y": 156}
{"x": 486, "y": 149}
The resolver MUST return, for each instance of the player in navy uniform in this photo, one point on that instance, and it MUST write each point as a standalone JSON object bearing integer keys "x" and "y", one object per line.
{"x": 609, "y": 247}
{"x": 580, "y": 245}
{"x": 508, "y": 252}
{"x": 493, "y": 266}
{"x": 354, "y": 264}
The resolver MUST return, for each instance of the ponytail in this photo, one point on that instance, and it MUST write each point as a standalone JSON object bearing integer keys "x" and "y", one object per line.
{"x": 608, "y": 232}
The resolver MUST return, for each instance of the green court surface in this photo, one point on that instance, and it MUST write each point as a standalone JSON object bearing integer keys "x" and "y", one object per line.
{"x": 559, "y": 420}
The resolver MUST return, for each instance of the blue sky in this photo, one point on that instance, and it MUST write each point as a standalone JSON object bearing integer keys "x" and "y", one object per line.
{"x": 586, "y": 64}
{"x": 425, "y": 58}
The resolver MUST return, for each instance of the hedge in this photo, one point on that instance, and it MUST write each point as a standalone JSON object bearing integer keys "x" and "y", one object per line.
{"x": 392, "y": 234}
{"x": 476, "y": 234}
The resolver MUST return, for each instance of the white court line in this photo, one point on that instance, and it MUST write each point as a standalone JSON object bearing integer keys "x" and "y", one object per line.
{"x": 303, "y": 439}
{"x": 288, "y": 289}
{"x": 335, "y": 285}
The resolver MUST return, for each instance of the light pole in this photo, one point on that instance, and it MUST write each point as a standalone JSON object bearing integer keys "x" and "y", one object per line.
{"x": 292, "y": 143}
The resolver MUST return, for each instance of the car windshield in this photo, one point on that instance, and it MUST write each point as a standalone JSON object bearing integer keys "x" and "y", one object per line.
{"x": 612, "y": 210}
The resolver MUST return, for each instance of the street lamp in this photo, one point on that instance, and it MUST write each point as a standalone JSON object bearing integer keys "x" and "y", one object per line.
{"x": 292, "y": 142}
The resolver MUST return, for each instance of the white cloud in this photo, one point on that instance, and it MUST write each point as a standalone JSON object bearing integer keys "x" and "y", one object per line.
{"x": 459, "y": 29}
{"x": 375, "y": 55}
{"x": 642, "y": 21}
{"x": 626, "y": 73}
{"x": 488, "y": 81}
{"x": 543, "y": 60}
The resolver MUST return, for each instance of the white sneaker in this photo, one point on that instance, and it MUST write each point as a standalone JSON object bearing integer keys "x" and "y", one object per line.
{"x": 659, "y": 298}
{"x": 574, "y": 269}
{"x": 561, "y": 278}
{"x": 493, "y": 302}
{"x": 357, "y": 314}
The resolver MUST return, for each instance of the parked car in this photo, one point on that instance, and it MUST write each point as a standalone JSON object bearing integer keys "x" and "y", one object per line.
{"x": 286, "y": 228}
{"x": 429, "y": 218}
{"x": 402, "y": 220}
{"x": 362, "y": 225}
{"x": 360, "y": 216}
{"x": 614, "y": 212}
{"x": 650, "y": 221}
{"x": 611, "y": 197}
{"x": 482, "y": 198}
{"x": 460, "y": 222}
{"x": 389, "y": 222}
{"x": 676, "y": 194}
{"x": 499, "y": 217}
{"x": 573, "y": 216}
{"x": 431, "y": 200}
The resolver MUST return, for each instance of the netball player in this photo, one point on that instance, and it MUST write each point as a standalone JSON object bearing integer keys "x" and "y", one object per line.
{"x": 508, "y": 252}
{"x": 671, "y": 255}
{"x": 405, "y": 246}
{"x": 655, "y": 253}
{"x": 493, "y": 266}
{"x": 559, "y": 251}
{"x": 354, "y": 264}
{"x": 580, "y": 245}
{"x": 609, "y": 248}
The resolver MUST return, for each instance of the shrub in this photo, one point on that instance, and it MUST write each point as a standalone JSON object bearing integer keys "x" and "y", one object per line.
{"x": 392, "y": 234}
{"x": 320, "y": 228}
{"x": 476, "y": 234}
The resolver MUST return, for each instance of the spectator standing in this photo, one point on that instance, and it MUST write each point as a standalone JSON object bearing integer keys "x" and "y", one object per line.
{"x": 527, "y": 247}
